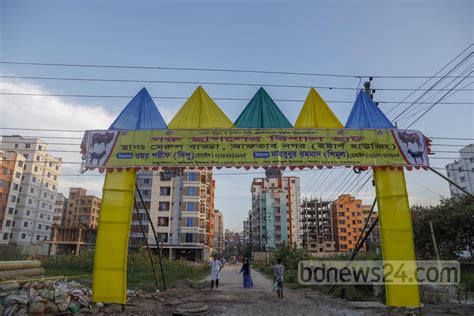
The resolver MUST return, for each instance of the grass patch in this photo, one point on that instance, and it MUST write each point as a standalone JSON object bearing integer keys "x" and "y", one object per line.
{"x": 139, "y": 273}
{"x": 142, "y": 279}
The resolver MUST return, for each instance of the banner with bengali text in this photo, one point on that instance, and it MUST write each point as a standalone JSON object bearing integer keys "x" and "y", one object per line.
{"x": 254, "y": 147}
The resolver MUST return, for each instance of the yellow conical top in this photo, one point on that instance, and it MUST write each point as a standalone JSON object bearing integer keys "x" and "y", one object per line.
{"x": 315, "y": 113}
{"x": 200, "y": 111}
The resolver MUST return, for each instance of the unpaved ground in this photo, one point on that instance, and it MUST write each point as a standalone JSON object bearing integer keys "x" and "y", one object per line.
{"x": 232, "y": 299}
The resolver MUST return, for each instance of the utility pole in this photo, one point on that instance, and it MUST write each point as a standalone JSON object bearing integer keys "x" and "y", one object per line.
{"x": 435, "y": 245}
{"x": 370, "y": 92}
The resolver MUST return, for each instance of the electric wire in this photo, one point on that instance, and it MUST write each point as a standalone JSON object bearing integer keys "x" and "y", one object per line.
{"x": 430, "y": 78}
{"x": 76, "y": 65}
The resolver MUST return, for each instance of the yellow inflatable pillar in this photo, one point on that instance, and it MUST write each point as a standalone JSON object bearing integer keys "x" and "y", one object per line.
{"x": 109, "y": 282}
{"x": 396, "y": 234}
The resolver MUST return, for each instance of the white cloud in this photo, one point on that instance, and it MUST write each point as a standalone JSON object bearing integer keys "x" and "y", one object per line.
{"x": 53, "y": 113}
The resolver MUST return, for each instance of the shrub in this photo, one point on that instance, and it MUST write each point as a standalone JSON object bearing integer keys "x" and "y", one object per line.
{"x": 10, "y": 253}
{"x": 83, "y": 261}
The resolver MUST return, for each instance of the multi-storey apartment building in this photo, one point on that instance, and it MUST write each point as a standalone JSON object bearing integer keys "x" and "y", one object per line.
{"x": 60, "y": 209}
{"x": 77, "y": 228}
{"x": 348, "y": 221}
{"x": 248, "y": 229}
{"x": 37, "y": 193}
{"x": 11, "y": 173}
{"x": 462, "y": 171}
{"x": 82, "y": 209}
{"x": 218, "y": 232}
{"x": 317, "y": 226}
{"x": 181, "y": 207}
{"x": 275, "y": 212}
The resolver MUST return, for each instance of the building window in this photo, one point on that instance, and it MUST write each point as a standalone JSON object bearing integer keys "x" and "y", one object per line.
{"x": 165, "y": 191}
{"x": 18, "y": 175}
{"x": 25, "y": 224}
{"x": 463, "y": 179}
{"x": 5, "y": 236}
{"x": 23, "y": 236}
{"x": 16, "y": 145}
{"x": 10, "y": 210}
{"x": 38, "y": 158}
{"x": 146, "y": 181}
{"x": 189, "y": 237}
{"x": 26, "y": 156}
{"x": 15, "y": 186}
{"x": 40, "y": 226}
{"x": 36, "y": 168}
{"x": 192, "y": 191}
{"x": 162, "y": 237}
{"x": 192, "y": 176}
{"x": 164, "y": 206}
{"x": 20, "y": 164}
{"x": 163, "y": 221}
{"x": 8, "y": 223}
{"x": 12, "y": 198}
{"x": 27, "y": 145}
{"x": 191, "y": 207}
{"x": 33, "y": 179}
{"x": 189, "y": 222}
{"x": 32, "y": 190}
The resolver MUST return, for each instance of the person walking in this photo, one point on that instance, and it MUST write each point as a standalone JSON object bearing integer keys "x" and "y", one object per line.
{"x": 278, "y": 272}
{"x": 247, "y": 279}
{"x": 216, "y": 267}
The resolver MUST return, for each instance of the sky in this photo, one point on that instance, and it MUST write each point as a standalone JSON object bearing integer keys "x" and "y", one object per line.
{"x": 405, "y": 38}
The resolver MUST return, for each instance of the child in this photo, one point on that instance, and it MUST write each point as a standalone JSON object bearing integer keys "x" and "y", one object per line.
{"x": 278, "y": 272}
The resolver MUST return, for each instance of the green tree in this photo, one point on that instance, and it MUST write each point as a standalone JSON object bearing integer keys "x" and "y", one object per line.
{"x": 453, "y": 224}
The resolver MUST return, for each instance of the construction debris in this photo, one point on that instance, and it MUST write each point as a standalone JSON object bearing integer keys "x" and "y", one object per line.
{"x": 46, "y": 297}
{"x": 51, "y": 297}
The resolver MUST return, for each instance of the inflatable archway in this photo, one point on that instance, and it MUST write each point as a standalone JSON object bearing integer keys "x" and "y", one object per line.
{"x": 201, "y": 136}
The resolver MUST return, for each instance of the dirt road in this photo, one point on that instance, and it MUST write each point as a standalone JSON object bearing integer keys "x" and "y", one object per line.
{"x": 232, "y": 299}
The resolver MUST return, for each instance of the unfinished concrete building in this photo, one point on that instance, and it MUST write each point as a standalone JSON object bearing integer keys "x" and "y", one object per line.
{"x": 317, "y": 226}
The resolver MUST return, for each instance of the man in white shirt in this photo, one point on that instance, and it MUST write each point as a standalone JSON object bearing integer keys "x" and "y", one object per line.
{"x": 216, "y": 267}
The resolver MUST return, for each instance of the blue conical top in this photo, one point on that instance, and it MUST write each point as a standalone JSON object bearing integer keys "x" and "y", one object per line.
{"x": 365, "y": 114}
{"x": 140, "y": 113}
{"x": 262, "y": 112}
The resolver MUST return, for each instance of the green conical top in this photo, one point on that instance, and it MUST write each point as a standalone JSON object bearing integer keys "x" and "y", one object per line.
{"x": 262, "y": 112}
